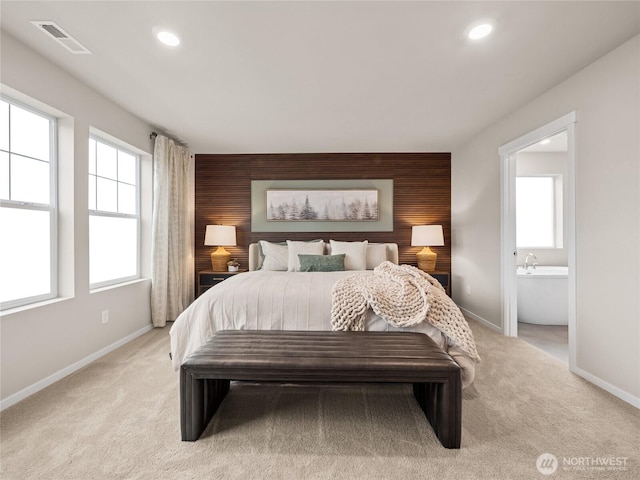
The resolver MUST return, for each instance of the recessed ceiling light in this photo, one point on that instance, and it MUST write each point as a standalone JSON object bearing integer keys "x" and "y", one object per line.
{"x": 480, "y": 30}
{"x": 545, "y": 141}
{"x": 168, "y": 38}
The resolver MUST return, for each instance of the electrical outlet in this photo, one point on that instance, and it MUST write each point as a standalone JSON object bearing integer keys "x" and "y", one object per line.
{"x": 468, "y": 289}
{"x": 105, "y": 316}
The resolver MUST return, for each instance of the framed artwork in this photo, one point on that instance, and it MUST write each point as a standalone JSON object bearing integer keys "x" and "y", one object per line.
{"x": 322, "y": 205}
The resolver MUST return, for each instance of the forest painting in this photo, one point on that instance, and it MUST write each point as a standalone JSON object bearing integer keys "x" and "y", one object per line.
{"x": 333, "y": 205}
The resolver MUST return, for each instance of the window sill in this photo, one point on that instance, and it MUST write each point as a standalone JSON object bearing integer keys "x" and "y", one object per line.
{"x": 119, "y": 285}
{"x": 31, "y": 306}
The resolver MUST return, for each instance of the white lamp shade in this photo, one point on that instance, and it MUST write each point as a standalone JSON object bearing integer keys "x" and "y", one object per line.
{"x": 427, "y": 236}
{"x": 220, "y": 235}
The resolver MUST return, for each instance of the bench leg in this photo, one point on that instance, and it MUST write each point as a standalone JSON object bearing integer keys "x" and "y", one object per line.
{"x": 199, "y": 401}
{"x": 426, "y": 395}
{"x": 449, "y": 412}
{"x": 442, "y": 405}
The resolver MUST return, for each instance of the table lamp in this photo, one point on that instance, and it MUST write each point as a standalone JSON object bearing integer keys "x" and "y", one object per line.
{"x": 427, "y": 236}
{"x": 220, "y": 236}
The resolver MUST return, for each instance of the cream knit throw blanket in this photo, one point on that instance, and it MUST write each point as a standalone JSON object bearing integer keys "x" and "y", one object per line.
{"x": 404, "y": 296}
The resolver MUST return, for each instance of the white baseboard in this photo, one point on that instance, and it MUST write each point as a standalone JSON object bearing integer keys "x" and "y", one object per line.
{"x": 59, "y": 375}
{"x": 478, "y": 318}
{"x": 612, "y": 389}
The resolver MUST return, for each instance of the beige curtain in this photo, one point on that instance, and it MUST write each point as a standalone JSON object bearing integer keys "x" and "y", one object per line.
{"x": 172, "y": 231}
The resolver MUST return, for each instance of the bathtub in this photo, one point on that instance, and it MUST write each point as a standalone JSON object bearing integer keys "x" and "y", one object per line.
{"x": 543, "y": 297}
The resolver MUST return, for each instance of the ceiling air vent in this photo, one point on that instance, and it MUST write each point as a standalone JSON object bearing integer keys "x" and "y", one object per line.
{"x": 54, "y": 31}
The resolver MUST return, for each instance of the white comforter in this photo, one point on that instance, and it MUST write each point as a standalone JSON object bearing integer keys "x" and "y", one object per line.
{"x": 266, "y": 300}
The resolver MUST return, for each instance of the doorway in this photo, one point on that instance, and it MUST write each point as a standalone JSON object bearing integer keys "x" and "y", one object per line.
{"x": 511, "y": 255}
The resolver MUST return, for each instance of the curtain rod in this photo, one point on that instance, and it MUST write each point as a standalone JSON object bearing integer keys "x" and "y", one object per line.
{"x": 177, "y": 142}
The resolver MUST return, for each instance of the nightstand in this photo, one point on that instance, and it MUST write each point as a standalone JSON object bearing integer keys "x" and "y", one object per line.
{"x": 209, "y": 278}
{"x": 443, "y": 278}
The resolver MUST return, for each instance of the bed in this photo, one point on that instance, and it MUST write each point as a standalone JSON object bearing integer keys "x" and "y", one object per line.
{"x": 275, "y": 294}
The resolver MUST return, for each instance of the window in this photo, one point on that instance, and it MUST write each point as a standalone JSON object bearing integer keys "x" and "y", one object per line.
{"x": 113, "y": 214}
{"x": 539, "y": 211}
{"x": 28, "y": 242}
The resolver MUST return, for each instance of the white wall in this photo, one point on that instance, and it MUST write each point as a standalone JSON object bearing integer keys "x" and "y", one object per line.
{"x": 606, "y": 98}
{"x": 41, "y": 344}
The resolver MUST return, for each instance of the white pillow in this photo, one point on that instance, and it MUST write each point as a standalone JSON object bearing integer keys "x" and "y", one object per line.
{"x": 276, "y": 256}
{"x": 355, "y": 254}
{"x": 304, "y": 248}
{"x": 376, "y": 254}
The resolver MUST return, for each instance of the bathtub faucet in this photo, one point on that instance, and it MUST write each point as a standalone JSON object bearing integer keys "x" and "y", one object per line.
{"x": 526, "y": 261}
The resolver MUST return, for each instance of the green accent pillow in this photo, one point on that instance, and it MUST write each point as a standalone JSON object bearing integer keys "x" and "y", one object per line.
{"x": 321, "y": 263}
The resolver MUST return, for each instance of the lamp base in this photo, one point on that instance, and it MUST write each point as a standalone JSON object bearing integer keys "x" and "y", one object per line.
{"x": 427, "y": 259}
{"x": 219, "y": 260}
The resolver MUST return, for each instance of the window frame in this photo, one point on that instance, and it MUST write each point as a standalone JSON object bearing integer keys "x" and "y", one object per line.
{"x": 102, "y": 213}
{"x": 557, "y": 207}
{"x": 52, "y": 207}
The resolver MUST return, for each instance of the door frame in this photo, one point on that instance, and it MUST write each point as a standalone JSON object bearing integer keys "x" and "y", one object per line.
{"x": 508, "y": 250}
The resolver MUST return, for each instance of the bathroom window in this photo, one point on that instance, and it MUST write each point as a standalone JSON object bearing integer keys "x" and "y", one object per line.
{"x": 539, "y": 211}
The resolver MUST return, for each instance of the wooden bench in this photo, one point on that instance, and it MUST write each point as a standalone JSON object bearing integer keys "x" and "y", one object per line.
{"x": 290, "y": 356}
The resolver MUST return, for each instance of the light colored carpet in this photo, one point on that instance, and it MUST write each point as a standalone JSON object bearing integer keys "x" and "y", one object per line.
{"x": 118, "y": 418}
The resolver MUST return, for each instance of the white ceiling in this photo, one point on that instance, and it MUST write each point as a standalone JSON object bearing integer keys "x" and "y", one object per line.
{"x": 555, "y": 143}
{"x": 326, "y": 75}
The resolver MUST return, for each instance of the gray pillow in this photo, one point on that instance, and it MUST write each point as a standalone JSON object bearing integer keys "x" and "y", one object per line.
{"x": 274, "y": 256}
{"x": 321, "y": 263}
{"x": 261, "y": 254}
{"x": 264, "y": 245}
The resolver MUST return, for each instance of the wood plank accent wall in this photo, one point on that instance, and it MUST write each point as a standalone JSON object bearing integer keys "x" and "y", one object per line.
{"x": 421, "y": 191}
